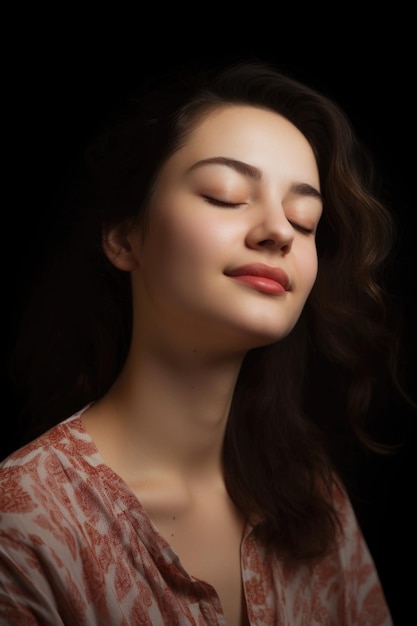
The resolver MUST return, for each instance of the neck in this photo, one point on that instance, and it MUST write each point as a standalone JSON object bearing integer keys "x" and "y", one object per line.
{"x": 168, "y": 414}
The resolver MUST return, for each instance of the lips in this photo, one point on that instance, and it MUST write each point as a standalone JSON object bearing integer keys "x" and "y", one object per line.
{"x": 262, "y": 277}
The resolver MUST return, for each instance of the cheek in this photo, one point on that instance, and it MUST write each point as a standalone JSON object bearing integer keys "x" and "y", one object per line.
{"x": 174, "y": 248}
{"x": 184, "y": 242}
{"x": 313, "y": 270}
{"x": 192, "y": 237}
{"x": 308, "y": 265}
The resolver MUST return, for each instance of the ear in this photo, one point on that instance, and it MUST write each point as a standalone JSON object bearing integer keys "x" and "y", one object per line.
{"x": 120, "y": 244}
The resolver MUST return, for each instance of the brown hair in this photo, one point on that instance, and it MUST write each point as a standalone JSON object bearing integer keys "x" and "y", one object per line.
{"x": 278, "y": 443}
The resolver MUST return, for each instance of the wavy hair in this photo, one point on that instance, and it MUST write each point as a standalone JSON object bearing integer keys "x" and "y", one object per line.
{"x": 290, "y": 397}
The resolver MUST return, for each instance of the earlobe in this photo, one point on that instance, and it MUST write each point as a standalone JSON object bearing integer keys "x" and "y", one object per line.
{"x": 117, "y": 245}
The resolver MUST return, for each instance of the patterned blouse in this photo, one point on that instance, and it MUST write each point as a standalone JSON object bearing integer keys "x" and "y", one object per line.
{"x": 78, "y": 549}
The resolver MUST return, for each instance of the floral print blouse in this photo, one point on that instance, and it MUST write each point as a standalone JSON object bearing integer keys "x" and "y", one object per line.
{"x": 78, "y": 549}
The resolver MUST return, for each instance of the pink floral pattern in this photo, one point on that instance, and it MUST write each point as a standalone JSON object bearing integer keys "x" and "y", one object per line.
{"x": 78, "y": 549}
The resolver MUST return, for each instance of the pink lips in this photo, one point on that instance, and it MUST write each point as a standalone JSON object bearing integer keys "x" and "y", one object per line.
{"x": 271, "y": 280}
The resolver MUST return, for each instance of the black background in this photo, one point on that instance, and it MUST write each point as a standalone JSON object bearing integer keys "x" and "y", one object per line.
{"x": 57, "y": 87}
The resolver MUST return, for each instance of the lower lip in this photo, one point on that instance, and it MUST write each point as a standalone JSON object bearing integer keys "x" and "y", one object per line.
{"x": 260, "y": 283}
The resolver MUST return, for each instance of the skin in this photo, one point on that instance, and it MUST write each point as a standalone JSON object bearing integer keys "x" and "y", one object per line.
{"x": 161, "y": 425}
{"x": 193, "y": 241}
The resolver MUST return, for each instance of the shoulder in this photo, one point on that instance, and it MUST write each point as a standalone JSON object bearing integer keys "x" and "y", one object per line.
{"x": 350, "y": 531}
{"x": 60, "y": 440}
{"x": 49, "y": 490}
{"x": 32, "y": 477}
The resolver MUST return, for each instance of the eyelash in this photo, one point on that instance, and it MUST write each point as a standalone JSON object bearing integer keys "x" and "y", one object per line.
{"x": 302, "y": 229}
{"x": 216, "y": 202}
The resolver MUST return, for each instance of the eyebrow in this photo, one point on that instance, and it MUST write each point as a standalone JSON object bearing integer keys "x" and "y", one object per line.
{"x": 243, "y": 168}
{"x": 250, "y": 171}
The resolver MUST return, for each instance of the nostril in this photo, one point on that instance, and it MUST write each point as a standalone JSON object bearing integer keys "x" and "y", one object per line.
{"x": 266, "y": 242}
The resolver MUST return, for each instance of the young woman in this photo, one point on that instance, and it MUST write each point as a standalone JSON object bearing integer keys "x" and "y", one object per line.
{"x": 224, "y": 272}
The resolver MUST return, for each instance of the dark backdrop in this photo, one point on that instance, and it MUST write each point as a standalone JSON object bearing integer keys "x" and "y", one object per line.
{"x": 55, "y": 96}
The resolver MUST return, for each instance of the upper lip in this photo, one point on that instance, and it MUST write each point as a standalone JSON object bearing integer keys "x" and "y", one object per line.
{"x": 260, "y": 269}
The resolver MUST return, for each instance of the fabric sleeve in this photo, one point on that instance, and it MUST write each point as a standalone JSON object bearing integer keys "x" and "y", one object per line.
{"x": 26, "y": 597}
{"x": 365, "y": 600}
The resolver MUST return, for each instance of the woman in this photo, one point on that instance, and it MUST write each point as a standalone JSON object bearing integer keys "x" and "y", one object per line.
{"x": 224, "y": 270}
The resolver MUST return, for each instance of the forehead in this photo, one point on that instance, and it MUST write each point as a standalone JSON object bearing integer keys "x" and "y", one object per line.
{"x": 257, "y": 136}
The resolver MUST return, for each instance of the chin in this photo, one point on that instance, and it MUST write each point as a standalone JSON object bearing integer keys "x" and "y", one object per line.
{"x": 258, "y": 340}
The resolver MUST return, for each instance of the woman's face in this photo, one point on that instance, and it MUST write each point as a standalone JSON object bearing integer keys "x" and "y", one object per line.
{"x": 229, "y": 258}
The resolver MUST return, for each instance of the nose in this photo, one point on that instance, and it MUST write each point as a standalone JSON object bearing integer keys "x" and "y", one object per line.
{"x": 270, "y": 229}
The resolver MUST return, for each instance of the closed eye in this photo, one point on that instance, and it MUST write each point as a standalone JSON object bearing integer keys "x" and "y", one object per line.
{"x": 217, "y": 202}
{"x": 303, "y": 229}
{"x": 223, "y": 203}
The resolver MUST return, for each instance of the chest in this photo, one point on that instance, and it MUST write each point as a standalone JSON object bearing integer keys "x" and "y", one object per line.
{"x": 208, "y": 541}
